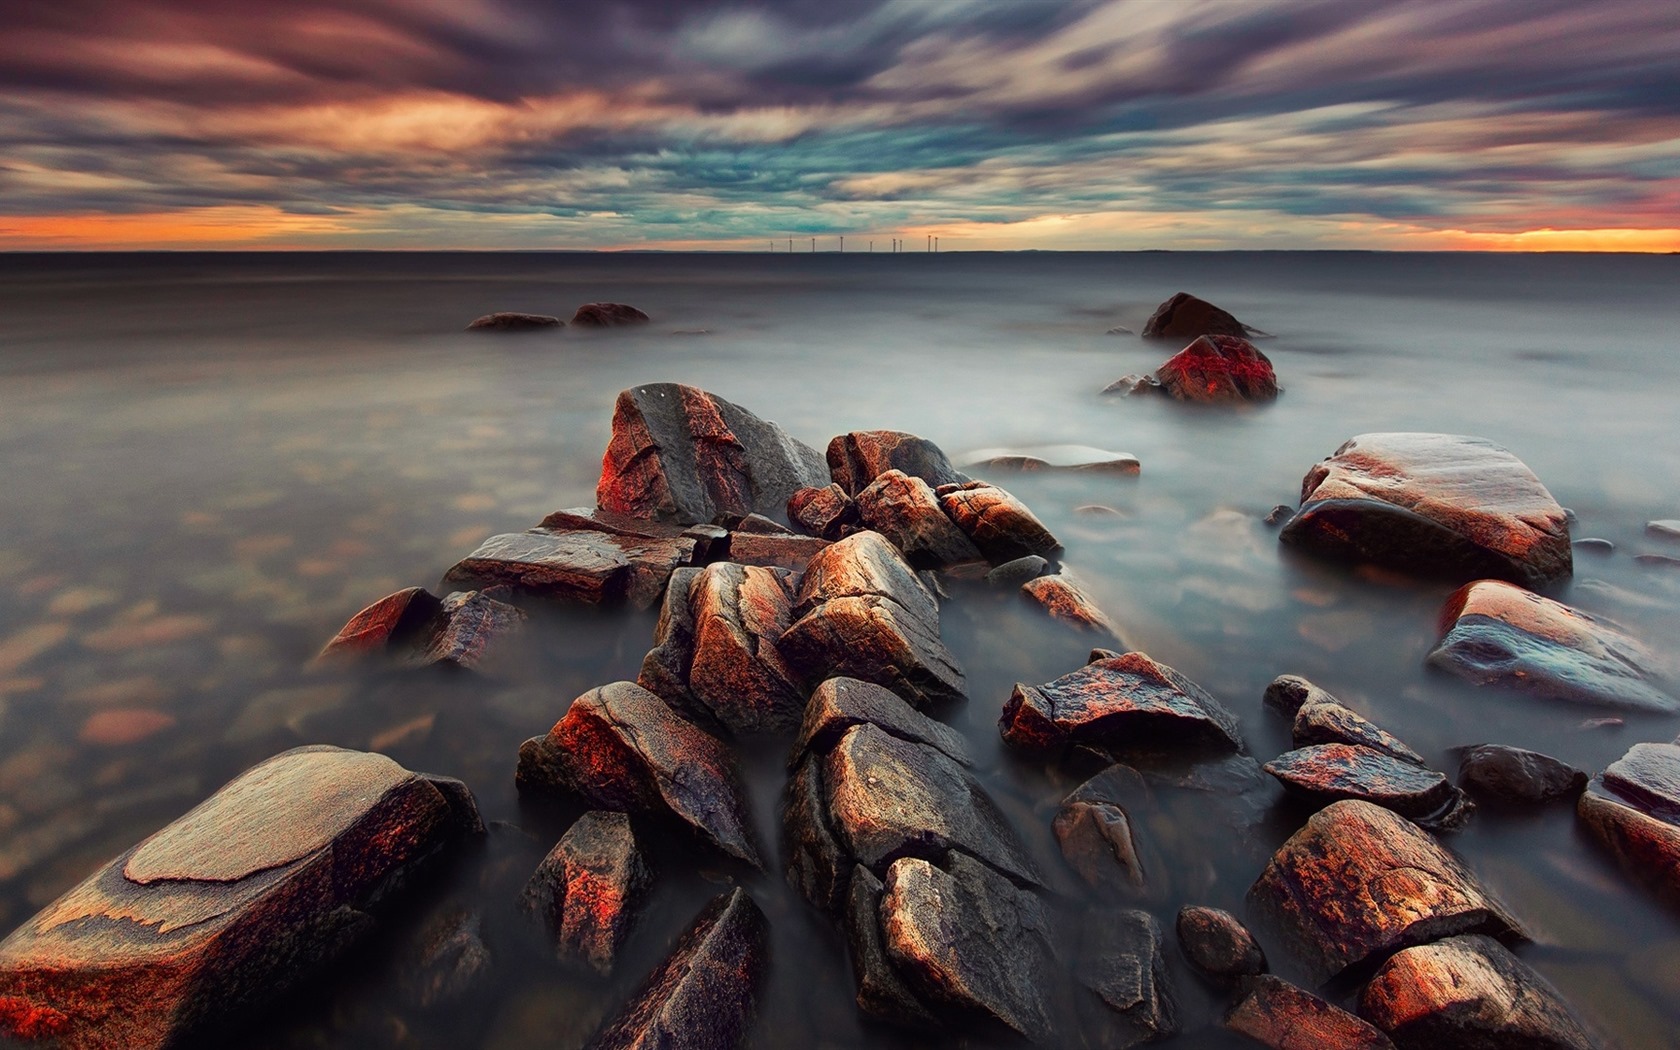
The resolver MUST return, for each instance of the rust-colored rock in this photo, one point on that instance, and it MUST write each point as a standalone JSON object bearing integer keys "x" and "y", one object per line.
{"x": 856, "y": 459}
{"x": 220, "y": 911}
{"x": 704, "y": 996}
{"x": 1218, "y": 944}
{"x": 511, "y": 321}
{"x": 593, "y": 568}
{"x": 589, "y": 888}
{"x": 413, "y": 626}
{"x": 838, "y": 704}
{"x": 1434, "y": 505}
{"x": 1633, "y": 810}
{"x": 393, "y": 619}
{"x": 1185, "y": 317}
{"x": 680, "y": 454}
{"x": 622, "y": 748}
{"x": 998, "y": 523}
{"x": 1061, "y": 596}
{"x": 774, "y": 551}
{"x": 881, "y": 992}
{"x": 1276, "y": 1014}
{"x": 1096, "y": 841}
{"x": 861, "y": 565}
{"x": 1325, "y": 720}
{"x": 608, "y": 315}
{"x": 1325, "y": 773}
{"x": 1359, "y": 882}
{"x": 905, "y": 511}
{"x": 1218, "y": 368}
{"x": 823, "y": 512}
{"x": 1495, "y": 633}
{"x": 1469, "y": 993}
{"x": 1128, "y": 702}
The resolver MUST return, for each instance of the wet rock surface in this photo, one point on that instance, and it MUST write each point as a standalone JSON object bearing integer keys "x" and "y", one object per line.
{"x": 1218, "y": 368}
{"x": 681, "y": 454}
{"x": 1514, "y": 777}
{"x": 1065, "y": 601}
{"x": 1325, "y": 773}
{"x": 1096, "y": 836}
{"x": 450, "y": 960}
{"x": 509, "y": 321}
{"x": 838, "y": 704}
{"x": 1469, "y": 993}
{"x": 1017, "y": 572}
{"x": 824, "y": 512}
{"x": 1185, "y": 317}
{"x": 264, "y": 882}
{"x": 591, "y": 568}
{"x": 1277, "y": 1014}
{"x": 1069, "y": 459}
{"x": 589, "y": 888}
{"x": 1433, "y": 505}
{"x": 881, "y": 992}
{"x": 705, "y": 994}
{"x": 1218, "y": 944}
{"x": 1322, "y": 719}
{"x": 1359, "y": 882}
{"x": 1633, "y": 810}
{"x": 608, "y": 315}
{"x": 1122, "y": 965}
{"x": 414, "y": 626}
{"x": 1127, "y": 702}
{"x": 1000, "y": 525}
{"x": 905, "y": 511}
{"x": 1495, "y": 633}
{"x": 856, "y": 459}
{"x": 621, "y": 747}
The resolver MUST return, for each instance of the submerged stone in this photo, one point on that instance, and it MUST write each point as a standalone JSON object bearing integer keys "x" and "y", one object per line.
{"x": 607, "y": 315}
{"x": 1123, "y": 966}
{"x": 510, "y": 321}
{"x": 1065, "y": 601}
{"x": 1516, "y": 777}
{"x": 589, "y": 888}
{"x": 413, "y": 626}
{"x": 1434, "y": 505}
{"x": 1095, "y": 836}
{"x": 856, "y": 459}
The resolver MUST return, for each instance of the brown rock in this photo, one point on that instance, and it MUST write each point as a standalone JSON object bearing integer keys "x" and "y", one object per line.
{"x": 823, "y": 512}
{"x": 859, "y": 566}
{"x": 1096, "y": 840}
{"x": 1495, "y": 633}
{"x": 838, "y": 704}
{"x": 509, "y": 321}
{"x": 905, "y": 511}
{"x": 258, "y": 886}
{"x": 1218, "y": 944}
{"x": 396, "y": 618}
{"x": 622, "y": 748}
{"x": 1360, "y": 881}
{"x": 1126, "y": 702}
{"x": 998, "y": 523}
{"x": 680, "y": 454}
{"x": 1633, "y": 810}
{"x": 1325, "y": 773}
{"x": 607, "y": 315}
{"x": 1185, "y": 317}
{"x": 817, "y": 864}
{"x": 1324, "y": 720}
{"x": 856, "y": 459}
{"x": 1515, "y": 777}
{"x": 739, "y": 614}
{"x": 704, "y": 996}
{"x": 412, "y": 626}
{"x": 1275, "y": 1013}
{"x": 594, "y": 568}
{"x": 781, "y": 552}
{"x": 1061, "y": 596}
{"x": 1218, "y": 368}
{"x": 448, "y": 959}
{"x": 1436, "y": 505}
{"x": 589, "y": 888}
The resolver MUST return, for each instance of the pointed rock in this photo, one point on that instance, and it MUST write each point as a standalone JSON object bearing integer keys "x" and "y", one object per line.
{"x": 1218, "y": 368}
{"x": 589, "y": 888}
{"x": 856, "y": 459}
{"x": 1185, "y": 317}
{"x": 905, "y": 511}
{"x": 1000, "y": 525}
{"x": 1329, "y": 722}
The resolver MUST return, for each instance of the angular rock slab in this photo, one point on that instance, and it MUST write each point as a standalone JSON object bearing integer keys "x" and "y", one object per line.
{"x": 1123, "y": 965}
{"x": 1435, "y": 505}
{"x": 1325, "y": 773}
{"x": 1218, "y": 369}
{"x": 704, "y": 996}
{"x": 856, "y": 459}
{"x": 593, "y": 568}
{"x": 1633, "y": 810}
{"x": 1096, "y": 839}
{"x": 1276, "y": 1014}
{"x": 680, "y": 454}
{"x": 1329, "y": 722}
{"x": 969, "y": 942}
{"x": 589, "y": 888}
{"x": 875, "y": 639}
{"x": 1065, "y": 601}
{"x": 218, "y": 912}
{"x": 622, "y": 748}
{"x": 1499, "y": 634}
{"x": 1359, "y": 882}
{"x": 1469, "y": 993}
{"x": 1126, "y": 702}
{"x": 391, "y": 622}
{"x": 905, "y": 511}
{"x": 824, "y": 512}
{"x": 1185, "y": 317}
{"x": 1000, "y": 525}
{"x": 881, "y": 992}
{"x": 1218, "y": 944}
{"x": 838, "y": 704}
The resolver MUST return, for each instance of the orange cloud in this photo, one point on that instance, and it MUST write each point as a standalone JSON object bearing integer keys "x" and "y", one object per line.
{"x": 224, "y": 227}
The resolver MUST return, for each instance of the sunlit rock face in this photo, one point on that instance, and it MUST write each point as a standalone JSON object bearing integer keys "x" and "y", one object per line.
{"x": 857, "y": 458}
{"x": 588, "y": 890}
{"x": 1436, "y": 505}
{"x": 1633, "y": 810}
{"x": 240, "y": 898}
{"x": 414, "y": 626}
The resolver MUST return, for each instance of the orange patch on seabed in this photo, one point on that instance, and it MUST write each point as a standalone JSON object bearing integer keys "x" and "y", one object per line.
{"x": 123, "y": 726}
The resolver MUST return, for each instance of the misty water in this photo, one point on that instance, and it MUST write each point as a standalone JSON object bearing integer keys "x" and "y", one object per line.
{"x": 212, "y": 461}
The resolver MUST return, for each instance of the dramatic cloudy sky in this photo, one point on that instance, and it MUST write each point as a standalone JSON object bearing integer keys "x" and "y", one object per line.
{"x": 992, "y": 123}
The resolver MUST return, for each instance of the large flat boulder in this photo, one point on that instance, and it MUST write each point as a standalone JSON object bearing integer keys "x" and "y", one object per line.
{"x": 856, "y": 459}
{"x": 1000, "y": 525}
{"x": 704, "y": 996}
{"x": 1496, "y": 633}
{"x": 588, "y": 567}
{"x": 1218, "y": 369}
{"x": 1128, "y": 702}
{"x": 680, "y": 454}
{"x": 1325, "y": 773}
{"x": 1433, "y": 505}
{"x": 905, "y": 511}
{"x": 1359, "y": 882}
{"x": 1633, "y": 810}
{"x": 220, "y": 911}
{"x": 1185, "y": 317}
{"x": 589, "y": 888}
{"x": 623, "y": 748}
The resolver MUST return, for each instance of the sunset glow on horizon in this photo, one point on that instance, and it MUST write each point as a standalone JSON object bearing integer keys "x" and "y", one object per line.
{"x": 632, "y": 124}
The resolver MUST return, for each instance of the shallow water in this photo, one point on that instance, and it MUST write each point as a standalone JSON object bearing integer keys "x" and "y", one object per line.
{"x": 213, "y": 460}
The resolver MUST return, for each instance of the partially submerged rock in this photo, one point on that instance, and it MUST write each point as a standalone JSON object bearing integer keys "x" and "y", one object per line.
{"x": 838, "y": 704}
{"x": 1012, "y": 574}
{"x": 704, "y": 996}
{"x": 589, "y": 888}
{"x": 1218, "y": 368}
{"x": 881, "y": 992}
{"x": 592, "y": 568}
{"x": 1000, "y": 525}
{"x": 1218, "y": 944}
{"x": 680, "y": 454}
{"x": 1061, "y": 596}
{"x": 1127, "y": 702}
{"x": 622, "y": 748}
{"x": 447, "y": 960}
{"x": 1633, "y": 810}
{"x": 1325, "y": 773}
{"x": 510, "y": 321}
{"x": 1469, "y": 993}
{"x": 1325, "y": 720}
{"x": 1277, "y": 1014}
{"x": 905, "y": 511}
{"x": 1096, "y": 837}
{"x": 1434, "y": 505}
{"x": 608, "y": 315}
{"x": 242, "y": 897}
{"x": 414, "y": 626}
{"x": 1185, "y": 317}
{"x": 1515, "y": 777}
{"x": 856, "y": 459}
{"x": 1078, "y": 459}
{"x": 824, "y": 512}
{"x": 1124, "y": 968}
{"x": 1495, "y": 633}
{"x": 1359, "y": 882}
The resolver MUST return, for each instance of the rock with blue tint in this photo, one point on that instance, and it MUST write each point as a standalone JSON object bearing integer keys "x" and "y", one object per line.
{"x": 1633, "y": 810}
{"x": 1500, "y": 634}
{"x": 1436, "y": 505}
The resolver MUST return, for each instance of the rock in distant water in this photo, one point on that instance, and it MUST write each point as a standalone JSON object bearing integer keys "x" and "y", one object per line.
{"x": 1081, "y": 459}
{"x": 607, "y": 315}
{"x": 220, "y": 911}
{"x": 704, "y": 996}
{"x": 514, "y": 322}
{"x": 1185, "y": 317}
{"x": 1218, "y": 368}
{"x": 1278, "y": 1015}
{"x": 1499, "y": 634}
{"x": 680, "y": 454}
{"x": 1664, "y": 529}
{"x": 1633, "y": 810}
{"x": 1435, "y": 505}
{"x": 856, "y": 459}
{"x": 1218, "y": 944}
{"x": 1360, "y": 881}
{"x": 1516, "y": 777}
{"x": 587, "y": 891}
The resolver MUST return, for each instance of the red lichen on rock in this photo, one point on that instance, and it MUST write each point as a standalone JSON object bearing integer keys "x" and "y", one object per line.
{"x": 1219, "y": 368}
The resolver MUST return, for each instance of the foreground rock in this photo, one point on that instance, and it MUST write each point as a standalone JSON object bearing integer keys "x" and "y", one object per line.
{"x": 1123, "y": 967}
{"x": 1434, "y": 505}
{"x": 856, "y": 459}
{"x": 223, "y": 909}
{"x": 590, "y": 568}
{"x": 1096, "y": 838}
{"x": 1359, "y": 882}
{"x": 1319, "y": 718}
{"x": 1218, "y": 368}
{"x": 1633, "y": 810}
{"x": 608, "y": 315}
{"x": 881, "y": 991}
{"x": 1276, "y": 1014}
{"x": 1218, "y": 944}
{"x": 414, "y": 626}
{"x": 1325, "y": 773}
{"x": 1000, "y": 525}
{"x": 1499, "y": 634}
{"x": 704, "y": 996}
{"x": 967, "y": 941}
{"x": 622, "y": 748}
{"x": 587, "y": 891}
{"x": 1185, "y": 317}
{"x": 905, "y": 511}
{"x": 1469, "y": 993}
{"x": 680, "y": 454}
{"x": 1127, "y": 702}
{"x": 1515, "y": 777}
{"x": 508, "y": 321}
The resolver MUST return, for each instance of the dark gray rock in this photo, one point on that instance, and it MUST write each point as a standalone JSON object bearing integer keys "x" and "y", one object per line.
{"x": 1123, "y": 967}
{"x": 1329, "y": 722}
{"x": 1218, "y": 944}
{"x": 510, "y": 321}
{"x": 447, "y": 961}
{"x": 1185, "y": 317}
{"x": 838, "y": 704}
{"x": 881, "y": 992}
{"x": 462, "y": 630}
{"x": 1017, "y": 572}
{"x": 1515, "y": 777}
{"x": 607, "y": 315}
{"x": 817, "y": 864}
{"x": 1633, "y": 810}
